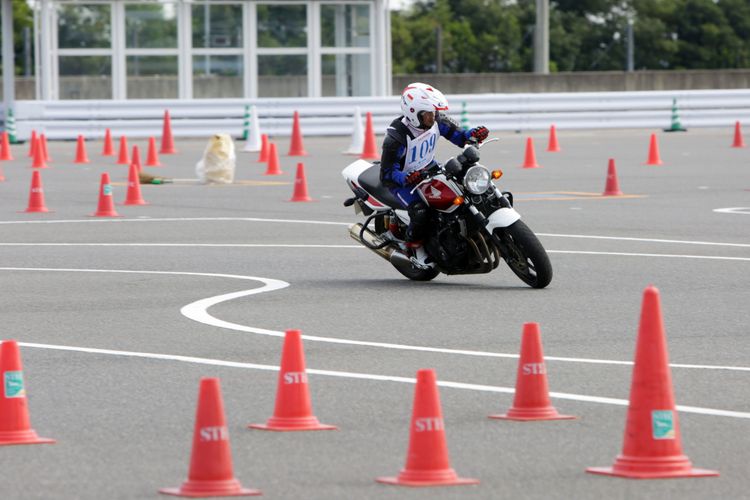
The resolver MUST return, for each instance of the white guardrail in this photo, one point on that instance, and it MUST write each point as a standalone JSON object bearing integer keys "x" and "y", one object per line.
{"x": 334, "y": 116}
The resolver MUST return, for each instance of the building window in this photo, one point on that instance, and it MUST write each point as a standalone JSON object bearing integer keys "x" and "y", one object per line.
{"x": 282, "y": 25}
{"x": 218, "y": 59}
{"x": 345, "y": 48}
{"x": 152, "y": 77}
{"x": 84, "y": 26}
{"x": 150, "y": 26}
{"x": 85, "y": 77}
{"x": 282, "y": 76}
{"x": 345, "y": 25}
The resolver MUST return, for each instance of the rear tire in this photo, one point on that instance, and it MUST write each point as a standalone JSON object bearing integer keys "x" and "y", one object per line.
{"x": 525, "y": 255}
{"x": 416, "y": 274}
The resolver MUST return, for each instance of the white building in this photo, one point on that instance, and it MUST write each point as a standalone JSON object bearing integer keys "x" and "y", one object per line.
{"x": 186, "y": 49}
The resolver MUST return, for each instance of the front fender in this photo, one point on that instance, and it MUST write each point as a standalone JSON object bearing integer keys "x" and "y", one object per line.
{"x": 502, "y": 217}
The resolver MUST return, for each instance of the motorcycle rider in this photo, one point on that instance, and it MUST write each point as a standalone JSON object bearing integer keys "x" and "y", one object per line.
{"x": 409, "y": 149}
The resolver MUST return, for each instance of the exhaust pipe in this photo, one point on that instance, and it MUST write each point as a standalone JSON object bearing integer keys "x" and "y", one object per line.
{"x": 389, "y": 252}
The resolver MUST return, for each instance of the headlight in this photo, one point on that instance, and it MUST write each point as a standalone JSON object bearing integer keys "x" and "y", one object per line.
{"x": 477, "y": 179}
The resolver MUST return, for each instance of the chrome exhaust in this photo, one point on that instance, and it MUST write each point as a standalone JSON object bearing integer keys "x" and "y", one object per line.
{"x": 390, "y": 252}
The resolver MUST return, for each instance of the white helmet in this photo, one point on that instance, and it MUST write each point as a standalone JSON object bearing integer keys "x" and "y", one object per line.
{"x": 418, "y": 97}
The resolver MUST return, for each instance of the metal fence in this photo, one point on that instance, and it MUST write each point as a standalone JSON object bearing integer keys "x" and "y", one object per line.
{"x": 334, "y": 116}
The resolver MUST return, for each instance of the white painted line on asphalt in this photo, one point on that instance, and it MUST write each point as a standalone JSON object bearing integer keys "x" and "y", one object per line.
{"x": 734, "y": 210}
{"x": 301, "y": 221}
{"x": 371, "y": 376}
{"x": 305, "y": 245}
{"x": 198, "y": 311}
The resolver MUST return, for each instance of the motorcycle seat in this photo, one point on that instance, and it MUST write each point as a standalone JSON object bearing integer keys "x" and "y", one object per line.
{"x": 370, "y": 181}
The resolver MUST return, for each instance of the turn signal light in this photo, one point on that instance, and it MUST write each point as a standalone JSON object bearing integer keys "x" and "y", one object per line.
{"x": 458, "y": 200}
{"x": 496, "y": 174}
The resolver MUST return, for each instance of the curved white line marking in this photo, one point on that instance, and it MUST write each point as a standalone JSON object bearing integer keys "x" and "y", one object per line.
{"x": 380, "y": 378}
{"x": 198, "y": 311}
{"x": 733, "y": 210}
{"x": 645, "y": 240}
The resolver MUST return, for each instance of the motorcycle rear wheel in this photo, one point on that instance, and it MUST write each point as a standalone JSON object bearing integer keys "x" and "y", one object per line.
{"x": 416, "y": 274}
{"x": 525, "y": 255}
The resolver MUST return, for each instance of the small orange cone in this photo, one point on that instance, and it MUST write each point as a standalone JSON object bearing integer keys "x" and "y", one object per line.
{"x": 739, "y": 142}
{"x": 133, "y": 196}
{"x": 370, "y": 150}
{"x": 427, "y": 462}
{"x": 652, "y": 445}
{"x": 273, "y": 161}
{"x": 530, "y": 160}
{"x": 295, "y": 147}
{"x": 5, "y": 153}
{"x": 211, "y": 472}
{"x": 653, "y": 152}
{"x": 122, "y": 158}
{"x": 263, "y": 155}
{"x": 612, "y": 187}
{"x": 106, "y": 206}
{"x": 15, "y": 426}
{"x": 293, "y": 410}
{"x": 300, "y": 185}
{"x": 36, "y": 194}
{"x": 531, "y": 400}
{"x": 109, "y": 148}
{"x": 81, "y": 156}
{"x": 43, "y": 140}
{"x": 135, "y": 158}
{"x": 38, "y": 160}
{"x": 152, "y": 158}
{"x": 553, "y": 146}
{"x": 32, "y": 143}
{"x": 167, "y": 142}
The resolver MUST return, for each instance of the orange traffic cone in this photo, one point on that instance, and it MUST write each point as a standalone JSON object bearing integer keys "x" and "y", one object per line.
{"x": 109, "y": 149}
{"x": 293, "y": 410}
{"x": 45, "y": 152}
{"x": 612, "y": 187}
{"x": 135, "y": 158}
{"x": 152, "y": 158}
{"x": 263, "y": 155}
{"x": 427, "y": 462}
{"x": 133, "y": 196}
{"x": 300, "y": 185}
{"x": 5, "y": 153}
{"x": 15, "y": 426}
{"x": 295, "y": 147}
{"x": 653, "y": 152}
{"x": 81, "y": 156}
{"x": 652, "y": 446}
{"x": 36, "y": 194}
{"x": 273, "y": 161}
{"x": 106, "y": 206}
{"x": 38, "y": 156}
{"x": 530, "y": 160}
{"x": 211, "y": 472}
{"x": 167, "y": 142}
{"x": 122, "y": 158}
{"x": 553, "y": 146}
{"x": 370, "y": 150}
{"x": 32, "y": 144}
{"x": 738, "y": 141}
{"x": 531, "y": 400}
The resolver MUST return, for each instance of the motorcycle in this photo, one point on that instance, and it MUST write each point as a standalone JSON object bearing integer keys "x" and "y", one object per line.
{"x": 472, "y": 227}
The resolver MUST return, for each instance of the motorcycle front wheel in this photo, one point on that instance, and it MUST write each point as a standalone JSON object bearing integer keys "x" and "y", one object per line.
{"x": 525, "y": 255}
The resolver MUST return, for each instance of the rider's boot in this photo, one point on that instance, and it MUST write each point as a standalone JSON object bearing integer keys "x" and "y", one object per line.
{"x": 418, "y": 256}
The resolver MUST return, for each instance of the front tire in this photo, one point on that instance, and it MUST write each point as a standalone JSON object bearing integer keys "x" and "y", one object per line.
{"x": 525, "y": 255}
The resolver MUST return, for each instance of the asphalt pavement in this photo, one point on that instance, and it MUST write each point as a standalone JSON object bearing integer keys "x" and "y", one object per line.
{"x": 119, "y": 318}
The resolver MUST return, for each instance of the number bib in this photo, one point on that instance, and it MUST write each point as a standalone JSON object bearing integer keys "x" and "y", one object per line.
{"x": 420, "y": 151}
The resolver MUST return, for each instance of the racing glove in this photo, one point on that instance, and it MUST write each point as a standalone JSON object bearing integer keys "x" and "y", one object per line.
{"x": 479, "y": 133}
{"x": 414, "y": 178}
